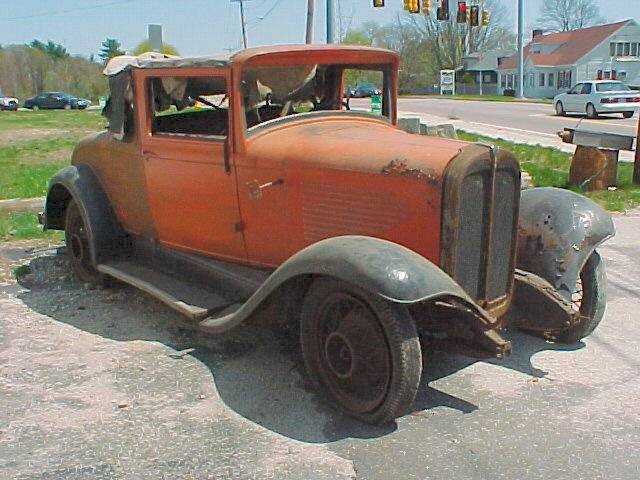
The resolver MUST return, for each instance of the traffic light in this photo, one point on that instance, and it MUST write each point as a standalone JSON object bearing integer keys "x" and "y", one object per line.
{"x": 474, "y": 15}
{"x": 378, "y": 3}
{"x": 462, "y": 12}
{"x": 412, "y": 6}
{"x": 486, "y": 18}
{"x": 443, "y": 11}
{"x": 426, "y": 6}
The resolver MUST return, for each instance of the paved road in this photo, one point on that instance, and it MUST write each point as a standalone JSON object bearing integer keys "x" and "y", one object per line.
{"x": 524, "y": 117}
{"x": 91, "y": 390}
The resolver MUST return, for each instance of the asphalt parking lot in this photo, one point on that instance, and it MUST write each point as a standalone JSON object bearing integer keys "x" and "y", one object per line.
{"x": 102, "y": 383}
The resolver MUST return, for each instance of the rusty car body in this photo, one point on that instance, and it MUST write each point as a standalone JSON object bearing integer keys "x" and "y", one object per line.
{"x": 226, "y": 182}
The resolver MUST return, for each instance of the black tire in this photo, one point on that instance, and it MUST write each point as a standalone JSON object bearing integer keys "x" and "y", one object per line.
{"x": 560, "y": 111}
{"x": 35, "y": 108}
{"x": 591, "y": 300}
{"x": 591, "y": 111}
{"x": 76, "y": 236}
{"x": 363, "y": 350}
{"x": 627, "y": 114}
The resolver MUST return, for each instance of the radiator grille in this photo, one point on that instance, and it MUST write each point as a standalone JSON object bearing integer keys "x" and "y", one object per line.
{"x": 480, "y": 211}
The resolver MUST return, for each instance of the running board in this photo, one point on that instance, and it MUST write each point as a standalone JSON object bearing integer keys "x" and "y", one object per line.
{"x": 192, "y": 302}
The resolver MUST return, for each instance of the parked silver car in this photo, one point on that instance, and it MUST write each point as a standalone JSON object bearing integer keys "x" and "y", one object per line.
{"x": 597, "y": 97}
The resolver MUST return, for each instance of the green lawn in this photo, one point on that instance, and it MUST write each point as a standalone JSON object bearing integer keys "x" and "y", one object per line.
{"x": 484, "y": 98}
{"x": 23, "y": 225}
{"x": 549, "y": 167}
{"x": 34, "y": 145}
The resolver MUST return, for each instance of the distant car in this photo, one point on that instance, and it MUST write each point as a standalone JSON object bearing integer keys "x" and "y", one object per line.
{"x": 348, "y": 91}
{"x": 9, "y": 103}
{"x": 58, "y": 100}
{"x": 366, "y": 90}
{"x": 597, "y": 97}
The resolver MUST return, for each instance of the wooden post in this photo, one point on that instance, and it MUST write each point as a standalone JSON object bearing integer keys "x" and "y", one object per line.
{"x": 636, "y": 166}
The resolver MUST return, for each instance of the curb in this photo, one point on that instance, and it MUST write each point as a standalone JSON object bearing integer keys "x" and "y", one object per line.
{"x": 22, "y": 205}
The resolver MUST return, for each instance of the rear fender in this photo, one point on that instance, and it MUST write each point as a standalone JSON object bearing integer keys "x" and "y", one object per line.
{"x": 80, "y": 183}
{"x": 558, "y": 230}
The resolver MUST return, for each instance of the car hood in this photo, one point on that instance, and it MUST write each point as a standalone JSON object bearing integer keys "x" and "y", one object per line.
{"x": 355, "y": 144}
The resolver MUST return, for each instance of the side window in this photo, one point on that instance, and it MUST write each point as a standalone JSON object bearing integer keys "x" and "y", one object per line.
{"x": 577, "y": 89}
{"x": 586, "y": 89}
{"x": 190, "y": 107}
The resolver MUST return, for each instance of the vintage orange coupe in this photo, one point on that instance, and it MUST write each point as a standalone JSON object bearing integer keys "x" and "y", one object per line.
{"x": 224, "y": 182}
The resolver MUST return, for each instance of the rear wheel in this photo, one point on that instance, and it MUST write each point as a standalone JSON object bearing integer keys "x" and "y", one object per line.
{"x": 590, "y": 299}
{"x": 67, "y": 106}
{"x": 627, "y": 114}
{"x": 560, "y": 112}
{"x": 35, "y": 108}
{"x": 363, "y": 350}
{"x": 76, "y": 237}
{"x": 591, "y": 111}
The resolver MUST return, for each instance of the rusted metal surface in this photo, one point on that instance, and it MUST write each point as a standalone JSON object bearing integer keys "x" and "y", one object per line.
{"x": 538, "y": 307}
{"x": 557, "y": 232}
{"x": 602, "y": 140}
{"x": 400, "y": 167}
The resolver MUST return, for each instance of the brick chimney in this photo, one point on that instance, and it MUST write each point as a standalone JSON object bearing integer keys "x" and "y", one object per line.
{"x": 538, "y": 33}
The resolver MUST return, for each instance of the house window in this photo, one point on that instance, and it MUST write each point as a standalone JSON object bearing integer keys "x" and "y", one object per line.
{"x": 627, "y": 49}
{"x": 542, "y": 80}
{"x": 619, "y": 49}
{"x": 503, "y": 81}
{"x": 612, "y": 49}
{"x": 634, "y": 49}
{"x": 532, "y": 80}
{"x": 487, "y": 78}
{"x": 607, "y": 75}
{"x": 551, "y": 81}
{"x": 622, "y": 76}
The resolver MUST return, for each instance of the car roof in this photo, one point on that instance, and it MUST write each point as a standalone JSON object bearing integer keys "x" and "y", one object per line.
{"x": 158, "y": 60}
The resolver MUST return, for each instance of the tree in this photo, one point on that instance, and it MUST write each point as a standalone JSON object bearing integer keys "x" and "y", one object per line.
{"x": 144, "y": 46}
{"x": 54, "y": 50}
{"x": 110, "y": 48}
{"x": 565, "y": 15}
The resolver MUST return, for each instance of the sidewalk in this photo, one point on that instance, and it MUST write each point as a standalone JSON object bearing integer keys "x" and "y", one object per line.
{"x": 506, "y": 133}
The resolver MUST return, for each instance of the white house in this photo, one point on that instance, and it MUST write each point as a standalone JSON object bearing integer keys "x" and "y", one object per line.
{"x": 555, "y": 62}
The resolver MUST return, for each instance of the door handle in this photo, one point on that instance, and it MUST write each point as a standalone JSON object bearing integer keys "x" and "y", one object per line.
{"x": 255, "y": 188}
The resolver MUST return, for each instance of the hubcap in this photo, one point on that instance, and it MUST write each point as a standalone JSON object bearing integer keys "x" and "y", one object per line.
{"x": 355, "y": 361}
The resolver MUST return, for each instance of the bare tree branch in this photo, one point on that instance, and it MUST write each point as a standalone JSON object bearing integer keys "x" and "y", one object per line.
{"x": 565, "y": 15}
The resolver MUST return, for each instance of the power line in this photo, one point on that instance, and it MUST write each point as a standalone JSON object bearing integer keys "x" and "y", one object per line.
{"x": 264, "y": 17}
{"x": 69, "y": 10}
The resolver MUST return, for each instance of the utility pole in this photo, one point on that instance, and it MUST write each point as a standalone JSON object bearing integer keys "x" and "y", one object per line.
{"x": 520, "y": 48}
{"x": 331, "y": 21}
{"x": 243, "y": 21}
{"x": 311, "y": 7}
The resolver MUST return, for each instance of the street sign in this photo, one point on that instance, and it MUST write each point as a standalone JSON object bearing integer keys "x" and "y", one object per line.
{"x": 376, "y": 104}
{"x": 447, "y": 82}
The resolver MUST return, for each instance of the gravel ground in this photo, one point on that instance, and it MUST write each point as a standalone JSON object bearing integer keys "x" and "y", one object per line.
{"x": 99, "y": 383}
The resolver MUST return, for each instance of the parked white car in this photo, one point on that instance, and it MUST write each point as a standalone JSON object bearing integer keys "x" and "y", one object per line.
{"x": 597, "y": 97}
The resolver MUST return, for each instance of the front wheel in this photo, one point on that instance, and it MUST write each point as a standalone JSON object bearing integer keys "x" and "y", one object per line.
{"x": 35, "y": 108}
{"x": 76, "y": 237}
{"x": 627, "y": 114}
{"x": 363, "y": 350}
{"x": 590, "y": 300}
{"x": 560, "y": 112}
{"x": 591, "y": 111}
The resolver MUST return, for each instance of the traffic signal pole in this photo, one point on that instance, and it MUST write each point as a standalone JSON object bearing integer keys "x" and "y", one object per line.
{"x": 311, "y": 7}
{"x": 331, "y": 21}
{"x": 520, "y": 48}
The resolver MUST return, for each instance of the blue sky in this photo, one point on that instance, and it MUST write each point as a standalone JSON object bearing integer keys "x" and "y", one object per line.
{"x": 198, "y": 27}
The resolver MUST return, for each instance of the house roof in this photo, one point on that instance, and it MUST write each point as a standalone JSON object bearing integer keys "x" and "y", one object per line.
{"x": 573, "y": 45}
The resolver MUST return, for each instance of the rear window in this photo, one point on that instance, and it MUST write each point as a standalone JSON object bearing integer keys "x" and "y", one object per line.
{"x": 611, "y": 87}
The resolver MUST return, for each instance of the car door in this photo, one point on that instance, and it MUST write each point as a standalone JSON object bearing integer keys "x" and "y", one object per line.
{"x": 572, "y": 99}
{"x": 192, "y": 190}
{"x": 586, "y": 97}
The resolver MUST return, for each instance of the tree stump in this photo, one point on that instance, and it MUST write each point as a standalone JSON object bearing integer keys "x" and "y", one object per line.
{"x": 593, "y": 168}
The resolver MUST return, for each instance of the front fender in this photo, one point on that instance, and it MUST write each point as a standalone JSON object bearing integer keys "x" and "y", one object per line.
{"x": 557, "y": 232}
{"x": 383, "y": 268}
{"x": 80, "y": 183}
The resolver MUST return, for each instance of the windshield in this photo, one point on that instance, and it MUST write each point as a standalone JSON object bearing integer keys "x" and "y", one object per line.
{"x": 612, "y": 87}
{"x": 274, "y": 92}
